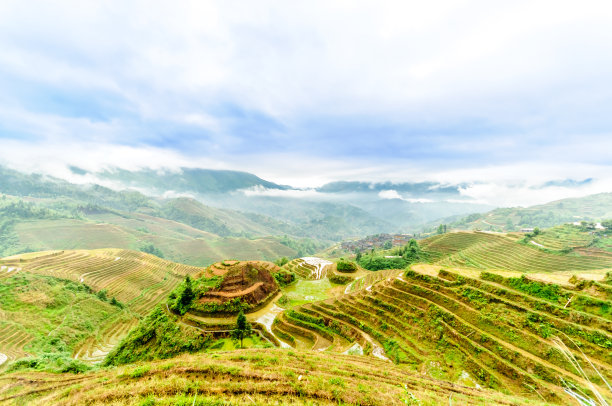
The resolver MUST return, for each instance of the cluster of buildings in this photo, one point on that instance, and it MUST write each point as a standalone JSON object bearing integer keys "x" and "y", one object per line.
{"x": 377, "y": 241}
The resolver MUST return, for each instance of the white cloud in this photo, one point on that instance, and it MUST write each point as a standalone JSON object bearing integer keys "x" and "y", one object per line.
{"x": 393, "y": 194}
{"x": 293, "y": 193}
{"x": 389, "y": 194}
{"x": 540, "y": 68}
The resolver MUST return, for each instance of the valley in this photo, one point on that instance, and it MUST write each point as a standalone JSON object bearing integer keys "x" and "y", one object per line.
{"x": 486, "y": 312}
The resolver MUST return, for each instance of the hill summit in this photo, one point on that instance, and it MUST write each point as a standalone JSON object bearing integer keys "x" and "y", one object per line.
{"x": 245, "y": 282}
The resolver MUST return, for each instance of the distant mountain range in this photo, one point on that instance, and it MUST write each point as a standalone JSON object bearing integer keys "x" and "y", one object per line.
{"x": 199, "y": 216}
{"x": 368, "y": 207}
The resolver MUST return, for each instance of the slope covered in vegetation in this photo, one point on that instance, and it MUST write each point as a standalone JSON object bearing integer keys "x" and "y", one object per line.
{"x": 509, "y": 251}
{"x": 515, "y": 335}
{"x": 262, "y": 377}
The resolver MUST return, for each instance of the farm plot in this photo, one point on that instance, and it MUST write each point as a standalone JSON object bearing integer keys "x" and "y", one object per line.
{"x": 309, "y": 267}
{"x": 65, "y": 297}
{"x": 500, "y": 335}
{"x": 94, "y": 349}
{"x": 134, "y": 278}
{"x": 563, "y": 237}
{"x": 493, "y": 251}
{"x": 370, "y": 278}
{"x": 12, "y": 340}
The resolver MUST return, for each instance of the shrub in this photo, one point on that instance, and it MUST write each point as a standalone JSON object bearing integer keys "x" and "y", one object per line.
{"x": 75, "y": 366}
{"x": 376, "y": 263}
{"x": 346, "y": 266}
{"x": 102, "y": 295}
{"x": 487, "y": 276}
{"x": 117, "y": 303}
{"x": 340, "y": 279}
{"x": 284, "y": 277}
{"x": 156, "y": 336}
{"x": 151, "y": 249}
{"x": 281, "y": 261}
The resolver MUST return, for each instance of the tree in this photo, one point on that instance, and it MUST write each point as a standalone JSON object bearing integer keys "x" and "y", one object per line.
{"x": 102, "y": 295}
{"x": 187, "y": 294}
{"x": 243, "y": 328}
{"x": 442, "y": 229}
{"x": 115, "y": 302}
{"x": 152, "y": 249}
{"x": 281, "y": 261}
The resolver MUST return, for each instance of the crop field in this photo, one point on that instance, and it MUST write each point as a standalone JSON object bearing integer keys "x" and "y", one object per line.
{"x": 35, "y": 307}
{"x": 136, "y": 279}
{"x": 177, "y": 241}
{"x": 563, "y": 237}
{"x": 45, "y": 316}
{"x": 500, "y": 331}
{"x": 309, "y": 267}
{"x": 13, "y": 339}
{"x": 95, "y": 348}
{"x": 503, "y": 251}
{"x": 368, "y": 279}
{"x": 247, "y": 377}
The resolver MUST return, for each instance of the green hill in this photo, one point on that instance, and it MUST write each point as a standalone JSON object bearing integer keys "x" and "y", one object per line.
{"x": 589, "y": 208}
{"x": 511, "y": 252}
{"x": 510, "y": 334}
{"x": 58, "y": 303}
{"x": 41, "y": 213}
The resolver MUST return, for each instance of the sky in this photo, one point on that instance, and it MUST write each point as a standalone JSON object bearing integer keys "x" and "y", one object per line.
{"x": 504, "y": 97}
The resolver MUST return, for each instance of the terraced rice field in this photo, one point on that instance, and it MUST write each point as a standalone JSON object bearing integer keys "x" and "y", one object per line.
{"x": 309, "y": 267}
{"x": 12, "y": 340}
{"x": 95, "y": 348}
{"x": 563, "y": 237}
{"x": 136, "y": 279}
{"x": 247, "y": 377}
{"x": 139, "y": 281}
{"x": 370, "y": 278}
{"x": 503, "y": 251}
{"x": 501, "y": 337}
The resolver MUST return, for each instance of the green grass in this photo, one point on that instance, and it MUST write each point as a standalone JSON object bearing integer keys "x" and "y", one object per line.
{"x": 305, "y": 291}
{"x": 49, "y": 318}
{"x": 227, "y": 344}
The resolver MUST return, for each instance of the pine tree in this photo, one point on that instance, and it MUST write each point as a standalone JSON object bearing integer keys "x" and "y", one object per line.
{"x": 243, "y": 328}
{"x": 187, "y": 295}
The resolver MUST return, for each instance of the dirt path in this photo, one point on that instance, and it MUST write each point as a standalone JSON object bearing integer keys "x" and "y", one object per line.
{"x": 238, "y": 292}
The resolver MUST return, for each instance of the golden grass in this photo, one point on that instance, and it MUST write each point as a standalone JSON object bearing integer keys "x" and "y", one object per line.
{"x": 257, "y": 376}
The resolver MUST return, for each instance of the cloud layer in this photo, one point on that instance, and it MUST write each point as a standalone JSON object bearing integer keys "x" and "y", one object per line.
{"x": 510, "y": 95}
